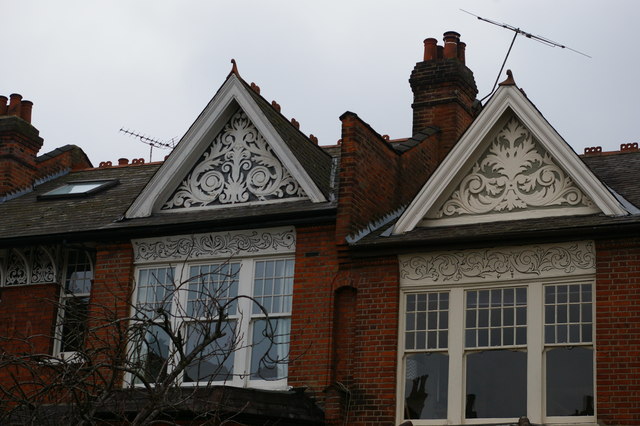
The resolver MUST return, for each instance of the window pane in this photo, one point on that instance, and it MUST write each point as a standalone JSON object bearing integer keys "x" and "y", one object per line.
{"x": 74, "y": 323}
{"x": 273, "y": 286}
{"x": 429, "y": 317}
{"x": 151, "y": 352}
{"x": 496, "y": 384}
{"x": 571, "y": 314}
{"x": 426, "y": 386}
{"x": 214, "y": 363}
{"x": 508, "y": 311}
{"x": 270, "y": 349}
{"x": 569, "y": 381}
{"x": 155, "y": 289}
{"x": 78, "y": 273}
{"x": 212, "y": 288}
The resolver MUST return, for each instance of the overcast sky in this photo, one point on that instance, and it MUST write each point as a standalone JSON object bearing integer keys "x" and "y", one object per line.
{"x": 151, "y": 66}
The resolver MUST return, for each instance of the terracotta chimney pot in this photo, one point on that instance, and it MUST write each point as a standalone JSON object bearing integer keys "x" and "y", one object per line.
{"x": 430, "y": 49}
{"x": 462, "y": 47}
{"x": 3, "y": 105}
{"x": 25, "y": 111}
{"x": 451, "y": 39}
{"x": 15, "y": 101}
{"x": 123, "y": 161}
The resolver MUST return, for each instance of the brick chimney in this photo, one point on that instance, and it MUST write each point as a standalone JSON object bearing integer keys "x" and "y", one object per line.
{"x": 444, "y": 91}
{"x": 19, "y": 145}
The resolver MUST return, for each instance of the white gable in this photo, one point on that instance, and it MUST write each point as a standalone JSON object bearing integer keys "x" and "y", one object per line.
{"x": 510, "y": 164}
{"x": 238, "y": 167}
{"x": 231, "y": 155}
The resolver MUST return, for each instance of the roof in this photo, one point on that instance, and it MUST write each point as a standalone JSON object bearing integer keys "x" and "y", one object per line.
{"x": 618, "y": 171}
{"x": 103, "y": 212}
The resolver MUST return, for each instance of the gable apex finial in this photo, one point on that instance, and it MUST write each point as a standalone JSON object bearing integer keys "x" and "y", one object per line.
{"x": 509, "y": 81}
{"x": 234, "y": 68}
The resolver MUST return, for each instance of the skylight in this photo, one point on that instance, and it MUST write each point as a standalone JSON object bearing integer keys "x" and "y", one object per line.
{"x": 79, "y": 188}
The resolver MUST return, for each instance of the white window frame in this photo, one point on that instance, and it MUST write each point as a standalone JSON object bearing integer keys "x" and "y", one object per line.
{"x": 62, "y": 301}
{"x": 535, "y": 347}
{"x": 244, "y": 318}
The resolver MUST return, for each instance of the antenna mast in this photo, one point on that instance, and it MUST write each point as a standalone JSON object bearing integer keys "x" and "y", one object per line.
{"x": 153, "y": 143}
{"x": 518, "y": 31}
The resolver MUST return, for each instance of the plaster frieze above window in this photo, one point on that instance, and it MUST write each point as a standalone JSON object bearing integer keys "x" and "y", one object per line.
{"x": 477, "y": 265}
{"x": 514, "y": 173}
{"x": 238, "y": 167}
{"x": 216, "y": 245}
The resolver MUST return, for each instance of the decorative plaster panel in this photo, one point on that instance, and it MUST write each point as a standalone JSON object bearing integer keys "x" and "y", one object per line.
{"x": 33, "y": 265}
{"x": 238, "y": 167}
{"x": 514, "y": 173}
{"x": 543, "y": 261}
{"x": 218, "y": 244}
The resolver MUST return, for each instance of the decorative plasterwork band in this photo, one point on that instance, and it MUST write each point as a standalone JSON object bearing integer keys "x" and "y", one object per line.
{"x": 481, "y": 265}
{"x": 215, "y": 245}
{"x": 31, "y": 265}
{"x": 238, "y": 167}
{"x": 514, "y": 173}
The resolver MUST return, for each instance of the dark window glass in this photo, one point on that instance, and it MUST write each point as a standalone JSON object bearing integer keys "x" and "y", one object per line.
{"x": 570, "y": 382}
{"x": 496, "y": 384}
{"x": 426, "y": 386}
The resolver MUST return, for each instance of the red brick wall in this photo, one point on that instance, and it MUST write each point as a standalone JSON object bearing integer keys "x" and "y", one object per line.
{"x": 110, "y": 301}
{"x": 19, "y": 144}
{"x": 618, "y": 331}
{"x": 315, "y": 273}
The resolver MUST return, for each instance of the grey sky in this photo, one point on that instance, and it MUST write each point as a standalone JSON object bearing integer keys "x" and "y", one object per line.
{"x": 151, "y": 66}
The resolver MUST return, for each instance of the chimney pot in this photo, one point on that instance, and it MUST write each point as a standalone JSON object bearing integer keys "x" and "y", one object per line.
{"x": 462, "y": 47}
{"x": 451, "y": 39}
{"x": 3, "y": 105}
{"x": 430, "y": 49}
{"x": 15, "y": 101}
{"x": 123, "y": 161}
{"x": 25, "y": 111}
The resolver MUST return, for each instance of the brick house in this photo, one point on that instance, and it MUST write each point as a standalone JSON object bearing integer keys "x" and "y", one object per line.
{"x": 473, "y": 273}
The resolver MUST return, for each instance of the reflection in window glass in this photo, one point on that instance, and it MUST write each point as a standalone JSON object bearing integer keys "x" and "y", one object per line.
{"x": 152, "y": 353}
{"x": 496, "y": 384}
{"x": 570, "y": 381}
{"x": 215, "y": 361}
{"x": 270, "y": 348}
{"x": 426, "y": 385}
{"x": 217, "y": 283}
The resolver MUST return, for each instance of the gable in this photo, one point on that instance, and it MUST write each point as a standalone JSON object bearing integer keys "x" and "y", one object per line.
{"x": 238, "y": 167}
{"x": 515, "y": 176}
{"x": 236, "y": 154}
{"x": 509, "y": 165}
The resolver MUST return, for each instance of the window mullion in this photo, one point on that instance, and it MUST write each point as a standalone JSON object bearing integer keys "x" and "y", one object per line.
{"x": 241, "y": 367}
{"x": 455, "y": 406}
{"x": 178, "y": 310}
{"x": 535, "y": 348}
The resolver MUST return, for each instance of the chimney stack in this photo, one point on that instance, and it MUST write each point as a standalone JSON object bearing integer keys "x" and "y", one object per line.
{"x": 444, "y": 91}
{"x": 19, "y": 145}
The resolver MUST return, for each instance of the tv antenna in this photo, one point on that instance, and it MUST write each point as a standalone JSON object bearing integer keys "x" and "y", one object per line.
{"x": 517, "y": 31}
{"x": 153, "y": 143}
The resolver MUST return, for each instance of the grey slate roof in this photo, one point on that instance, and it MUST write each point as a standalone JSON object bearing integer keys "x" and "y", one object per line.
{"x": 313, "y": 159}
{"x": 28, "y": 217}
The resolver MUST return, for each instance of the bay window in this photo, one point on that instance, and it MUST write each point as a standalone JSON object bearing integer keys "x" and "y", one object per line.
{"x": 214, "y": 318}
{"x": 488, "y": 336}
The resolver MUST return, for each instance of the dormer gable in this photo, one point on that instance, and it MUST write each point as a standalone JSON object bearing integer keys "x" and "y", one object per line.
{"x": 509, "y": 165}
{"x": 237, "y": 152}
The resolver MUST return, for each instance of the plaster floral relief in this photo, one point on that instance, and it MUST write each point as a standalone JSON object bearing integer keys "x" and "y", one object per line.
{"x": 218, "y": 244}
{"x": 238, "y": 167}
{"x": 33, "y": 265}
{"x": 513, "y": 174}
{"x": 496, "y": 263}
